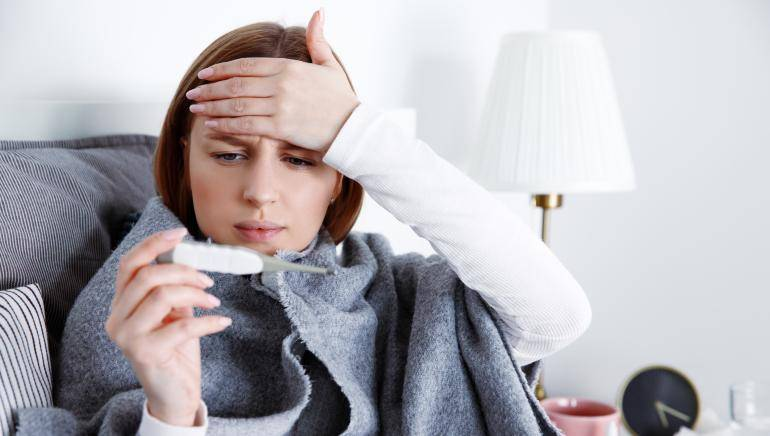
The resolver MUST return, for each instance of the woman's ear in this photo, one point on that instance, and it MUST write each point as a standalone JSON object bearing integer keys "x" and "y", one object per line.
{"x": 183, "y": 141}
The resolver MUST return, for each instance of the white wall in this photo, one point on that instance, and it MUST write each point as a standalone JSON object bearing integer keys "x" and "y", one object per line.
{"x": 676, "y": 270}
{"x": 433, "y": 56}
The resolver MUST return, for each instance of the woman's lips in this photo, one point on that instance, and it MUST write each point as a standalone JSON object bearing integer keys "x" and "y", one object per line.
{"x": 258, "y": 235}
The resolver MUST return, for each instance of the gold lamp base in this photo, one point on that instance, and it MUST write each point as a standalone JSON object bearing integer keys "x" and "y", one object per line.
{"x": 545, "y": 202}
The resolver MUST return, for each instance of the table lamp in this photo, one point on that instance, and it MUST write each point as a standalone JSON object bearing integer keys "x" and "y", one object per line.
{"x": 551, "y": 123}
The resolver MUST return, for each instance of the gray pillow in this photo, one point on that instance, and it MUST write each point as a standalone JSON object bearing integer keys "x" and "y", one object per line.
{"x": 62, "y": 208}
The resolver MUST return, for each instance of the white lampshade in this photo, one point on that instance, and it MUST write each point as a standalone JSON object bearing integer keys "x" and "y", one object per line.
{"x": 551, "y": 121}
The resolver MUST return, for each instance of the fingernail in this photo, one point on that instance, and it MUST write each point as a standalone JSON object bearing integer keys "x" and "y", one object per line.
{"x": 321, "y": 13}
{"x": 211, "y": 123}
{"x": 206, "y": 280}
{"x": 214, "y": 300}
{"x": 175, "y": 233}
{"x": 225, "y": 321}
{"x": 193, "y": 93}
{"x": 196, "y": 108}
{"x": 206, "y": 72}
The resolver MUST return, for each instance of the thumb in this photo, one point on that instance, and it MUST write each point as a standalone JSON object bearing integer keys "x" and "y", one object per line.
{"x": 319, "y": 49}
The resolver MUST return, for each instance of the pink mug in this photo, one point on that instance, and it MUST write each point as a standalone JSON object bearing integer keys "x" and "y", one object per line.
{"x": 582, "y": 417}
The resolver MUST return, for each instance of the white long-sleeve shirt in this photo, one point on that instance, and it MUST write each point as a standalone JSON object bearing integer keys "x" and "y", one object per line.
{"x": 152, "y": 426}
{"x": 488, "y": 246}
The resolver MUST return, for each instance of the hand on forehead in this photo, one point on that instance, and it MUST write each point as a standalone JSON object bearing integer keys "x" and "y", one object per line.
{"x": 304, "y": 104}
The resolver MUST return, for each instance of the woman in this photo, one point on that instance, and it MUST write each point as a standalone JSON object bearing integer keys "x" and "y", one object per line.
{"x": 399, "y": 344}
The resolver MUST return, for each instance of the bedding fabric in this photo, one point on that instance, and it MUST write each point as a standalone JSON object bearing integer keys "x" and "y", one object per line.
{"x": 412, "y": 350}
{"x": 25, "y": 364}
{"x": 62, "y": 203}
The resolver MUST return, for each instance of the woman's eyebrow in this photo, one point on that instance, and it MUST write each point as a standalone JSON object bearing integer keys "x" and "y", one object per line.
{"x": 236, "y": 141}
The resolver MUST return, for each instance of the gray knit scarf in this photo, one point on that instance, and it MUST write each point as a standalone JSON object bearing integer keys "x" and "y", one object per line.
{"x": 413, "y": 350}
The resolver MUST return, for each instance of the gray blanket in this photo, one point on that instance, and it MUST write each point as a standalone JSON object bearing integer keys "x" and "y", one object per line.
{"x": 413, "y": 350}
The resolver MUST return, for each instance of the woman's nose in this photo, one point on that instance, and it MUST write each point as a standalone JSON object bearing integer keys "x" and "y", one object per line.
{"x": 260, "y": 184}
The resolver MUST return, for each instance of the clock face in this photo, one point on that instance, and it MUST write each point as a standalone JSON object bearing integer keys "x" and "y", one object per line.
{"x": 657, "y": 401}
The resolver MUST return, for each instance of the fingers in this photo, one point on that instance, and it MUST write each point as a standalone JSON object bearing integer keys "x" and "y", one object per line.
{"x": 259, "y": 125}
{"x": 318, "y": 48}
{"x": 235, "y": 87}
{"x": 162, "y": 302}
{"x": 177, "y": 313}
{"x": 315, "y": 23}
{"x": 255, "y": 66}
{"x": 235, "y": 107}
{"x": 145, "y": 252}
{"x": 151, "y": 276}
{"x": 185, "y": 329}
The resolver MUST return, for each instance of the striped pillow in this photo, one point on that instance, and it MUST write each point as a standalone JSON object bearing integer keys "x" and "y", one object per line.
{"x": 25, "y": 364}
{"x": 62, "y": 209}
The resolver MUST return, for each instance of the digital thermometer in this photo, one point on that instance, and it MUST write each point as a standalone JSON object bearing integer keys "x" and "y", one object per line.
{"x": 230, "y": 259}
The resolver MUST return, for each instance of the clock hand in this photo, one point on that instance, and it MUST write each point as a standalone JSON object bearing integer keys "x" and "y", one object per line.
{"x": 675, "y": 412}
{"x": 660, "y": 406}
{"x": 661, "y": 414}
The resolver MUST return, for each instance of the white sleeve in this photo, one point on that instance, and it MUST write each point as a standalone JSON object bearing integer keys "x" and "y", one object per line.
{"x": 152, "y": 426}
{"x": 485, "y": 243}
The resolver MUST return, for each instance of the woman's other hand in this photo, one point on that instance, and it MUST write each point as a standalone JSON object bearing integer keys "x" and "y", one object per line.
{"x": 153, "y": 323}
{"x": 298, "y": 102}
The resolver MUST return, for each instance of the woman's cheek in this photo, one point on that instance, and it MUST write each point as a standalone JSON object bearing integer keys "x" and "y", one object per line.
{"x": 200, "y": 178}
{"x": 206, "y": 191}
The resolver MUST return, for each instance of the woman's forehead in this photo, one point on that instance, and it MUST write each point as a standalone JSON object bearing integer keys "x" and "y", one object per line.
{"x": 247, "y": 141}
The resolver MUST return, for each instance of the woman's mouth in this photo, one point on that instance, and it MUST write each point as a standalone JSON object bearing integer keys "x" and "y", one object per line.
{"x": 258, "y": 235}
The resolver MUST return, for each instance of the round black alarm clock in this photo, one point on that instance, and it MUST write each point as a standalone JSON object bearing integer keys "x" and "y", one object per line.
{"x": 657, "y": 401}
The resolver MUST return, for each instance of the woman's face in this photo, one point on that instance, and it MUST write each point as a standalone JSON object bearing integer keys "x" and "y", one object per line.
{"x": 242, "y": 178}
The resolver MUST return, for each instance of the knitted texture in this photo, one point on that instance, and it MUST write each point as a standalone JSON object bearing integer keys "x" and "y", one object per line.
{"x": 412, "y": 349}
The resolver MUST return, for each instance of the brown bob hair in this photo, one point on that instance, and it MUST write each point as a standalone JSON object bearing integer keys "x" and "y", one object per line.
{"x": 170, "y": 162}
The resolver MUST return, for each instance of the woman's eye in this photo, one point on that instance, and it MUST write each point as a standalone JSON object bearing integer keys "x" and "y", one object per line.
{"x": 301, "y": 163}
{"x": 294, "y": 161}
{"x": 221, "y": 156}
